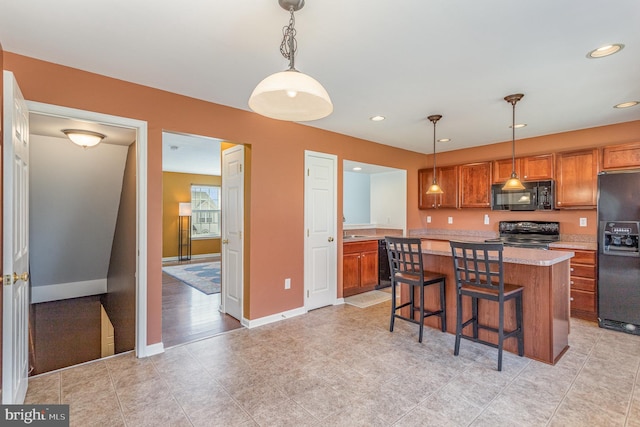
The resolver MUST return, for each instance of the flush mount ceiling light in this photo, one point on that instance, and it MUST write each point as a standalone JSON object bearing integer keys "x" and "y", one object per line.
{"x": 290, "y": 95}
{"x": 607, "y": 50}
{"x": 627, "y": 104}
{"x": 377, "y": 118}
{"x": 434, "y": 188}
{"x": 513, "y": 183}
{"x": 444, "y": 140}
{"x": 84, "y": 138}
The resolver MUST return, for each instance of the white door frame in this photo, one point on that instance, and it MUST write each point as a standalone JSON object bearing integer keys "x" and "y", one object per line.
{"x": 142, "y": 349}
{"x": 307, "y": 253}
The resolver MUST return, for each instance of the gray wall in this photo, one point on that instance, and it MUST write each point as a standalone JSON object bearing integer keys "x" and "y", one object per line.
{"x": 74, "y": 200}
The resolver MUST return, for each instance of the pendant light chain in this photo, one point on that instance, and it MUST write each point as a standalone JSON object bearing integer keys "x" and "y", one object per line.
{"x": 289, "y": 46}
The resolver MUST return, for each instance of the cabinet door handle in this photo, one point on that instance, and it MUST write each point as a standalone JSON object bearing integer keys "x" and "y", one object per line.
{"x": 571, "y": 299}
{"x": 572, "y": 282}
{"x": 571, "y": 268}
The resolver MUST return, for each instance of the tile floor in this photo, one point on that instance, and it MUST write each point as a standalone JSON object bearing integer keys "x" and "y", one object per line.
{"x": 340, "y": 366}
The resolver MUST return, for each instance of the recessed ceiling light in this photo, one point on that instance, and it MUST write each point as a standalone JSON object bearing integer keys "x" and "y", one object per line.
{"x": 519, "y": 125}
{"x": 377, "y": 118}
{"x": 444, "y": 140}
{"x": 357, "y": 168}
{"x": 607, "y": 50}
{"x": 627, "y": 104}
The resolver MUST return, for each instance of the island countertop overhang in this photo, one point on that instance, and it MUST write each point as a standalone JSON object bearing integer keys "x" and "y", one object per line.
{"x": 537, "y": 257}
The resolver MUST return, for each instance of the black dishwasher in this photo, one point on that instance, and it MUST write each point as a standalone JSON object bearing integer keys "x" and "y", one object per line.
{"x": 384, "y": 273}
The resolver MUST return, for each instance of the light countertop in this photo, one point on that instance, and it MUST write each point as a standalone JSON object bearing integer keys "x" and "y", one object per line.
{"x": 510, "y": 255}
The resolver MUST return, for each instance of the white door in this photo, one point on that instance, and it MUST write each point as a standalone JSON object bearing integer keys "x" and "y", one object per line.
{"x": 320, "y": 213}
{"x": 15, "y": 245}
{"x": 232, "y": 230}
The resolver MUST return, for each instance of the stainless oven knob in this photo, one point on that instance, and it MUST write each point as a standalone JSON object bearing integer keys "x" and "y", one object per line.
{"x": 628, "y": 241}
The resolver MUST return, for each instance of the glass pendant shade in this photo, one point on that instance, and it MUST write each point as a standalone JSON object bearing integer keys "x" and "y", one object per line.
{"x": 435, "y": 189}
{"x": 513, "y": 183}
{"x": 291, "y": 95}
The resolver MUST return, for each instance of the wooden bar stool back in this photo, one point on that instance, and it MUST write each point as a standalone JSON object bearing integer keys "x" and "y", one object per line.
{"x": 479, "y": 274}
{"x": 405, "y": 262}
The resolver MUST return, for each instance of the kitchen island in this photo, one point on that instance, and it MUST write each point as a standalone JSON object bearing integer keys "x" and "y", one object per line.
{"x": 544, "y": 275}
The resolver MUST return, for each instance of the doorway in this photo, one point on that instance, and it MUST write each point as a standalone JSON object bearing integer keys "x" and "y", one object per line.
{"x": 191, "y": 279}
{"x": 88, "y": 259}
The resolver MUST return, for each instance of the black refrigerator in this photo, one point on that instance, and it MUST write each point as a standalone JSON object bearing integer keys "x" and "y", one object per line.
{"x": 618, "y": 251}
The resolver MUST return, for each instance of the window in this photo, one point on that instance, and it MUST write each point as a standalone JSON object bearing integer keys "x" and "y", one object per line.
{"x": 205, "y": 211}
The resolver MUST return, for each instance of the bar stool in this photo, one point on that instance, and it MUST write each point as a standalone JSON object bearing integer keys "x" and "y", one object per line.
{"x": 405, "y": 261}
{"x": 479, "y": 274}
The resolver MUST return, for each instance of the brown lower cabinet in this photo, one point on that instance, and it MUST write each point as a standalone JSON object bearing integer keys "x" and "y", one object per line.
{"x": 584, "y": 289}
{"x": 359, "y": 267}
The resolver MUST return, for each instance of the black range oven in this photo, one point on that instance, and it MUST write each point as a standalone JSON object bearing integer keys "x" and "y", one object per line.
{"x": 528, "y": 234}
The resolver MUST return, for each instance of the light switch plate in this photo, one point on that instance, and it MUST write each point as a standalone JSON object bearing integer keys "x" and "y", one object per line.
{"x": 583, "y": 222}
{"x": 486, "y": 219}
{"x": 450, "y": 220}
{"x": 428, "y": 219}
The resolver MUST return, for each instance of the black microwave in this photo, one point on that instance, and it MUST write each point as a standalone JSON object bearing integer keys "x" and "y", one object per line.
{"x": 536, "y": 196}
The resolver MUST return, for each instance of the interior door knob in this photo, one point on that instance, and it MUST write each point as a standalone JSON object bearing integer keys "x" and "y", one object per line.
{"x": 24, "y": 277}
{"x": 10, "y": 279}
{"x": 330, "y": 239}
{"x": 225, "y": 241}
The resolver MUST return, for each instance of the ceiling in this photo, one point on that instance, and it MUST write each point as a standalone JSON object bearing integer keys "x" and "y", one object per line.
{"x": 403, "y": 60}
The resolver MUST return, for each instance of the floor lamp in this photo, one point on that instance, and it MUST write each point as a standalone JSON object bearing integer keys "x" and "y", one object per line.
{"x": 184, "y": 231}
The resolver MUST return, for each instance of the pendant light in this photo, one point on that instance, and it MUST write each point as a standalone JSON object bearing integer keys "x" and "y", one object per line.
{"x": 513, "y": 183}
{"x": 434, "y": 188}
{"x": 290, "y": 95}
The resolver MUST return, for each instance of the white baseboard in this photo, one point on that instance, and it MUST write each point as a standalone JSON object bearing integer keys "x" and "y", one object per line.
{"x": 273, "y": 318}
{"x": 45, "y": 293}
{"x": 175, "y": 258}
{"x": 339, "y": 301}
{"x": 151, "y": 350}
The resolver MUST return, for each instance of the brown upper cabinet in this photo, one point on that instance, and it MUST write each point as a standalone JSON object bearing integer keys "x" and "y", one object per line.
{"x": 576, "y": 179}
{"x": 532, "y": 168}
{"x": 448, "y": 181}
{"x": 475, "y": 185}
{"x": 623, "y": 156}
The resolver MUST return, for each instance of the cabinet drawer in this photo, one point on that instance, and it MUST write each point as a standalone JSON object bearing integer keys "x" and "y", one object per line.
{"x": 583, "y": 270}
{"x": 583, "y": 284}
{"x": 584, "y": 257}
{"x": 356, "y": 247}
{"x": 581, "y": 300}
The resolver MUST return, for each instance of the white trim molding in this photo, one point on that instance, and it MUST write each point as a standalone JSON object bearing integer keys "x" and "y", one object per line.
{"x": 273, "y": 318}
{"x": 58, "y": 291}
{"x": 142, "y": 347}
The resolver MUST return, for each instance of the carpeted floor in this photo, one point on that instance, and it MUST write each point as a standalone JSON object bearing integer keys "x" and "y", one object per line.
{"x": 204, "y": 277}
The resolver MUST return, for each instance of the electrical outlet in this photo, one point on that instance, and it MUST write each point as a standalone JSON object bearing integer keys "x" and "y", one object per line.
{"x": 450, "y": 220}
{"x": 486, "y": 219}
{"x": 583, "y": 222}
{"x": 287, "y": 283}
{"x": 428, "y": 219}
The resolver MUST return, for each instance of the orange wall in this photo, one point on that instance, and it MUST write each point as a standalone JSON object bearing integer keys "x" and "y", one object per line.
{"x": 275, "y": 201}
{"x": 275, "y": 208}
{"x": 176, "y": 188}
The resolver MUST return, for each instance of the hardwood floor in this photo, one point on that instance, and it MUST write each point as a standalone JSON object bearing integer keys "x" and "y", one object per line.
{"x": 189, "y": 315}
